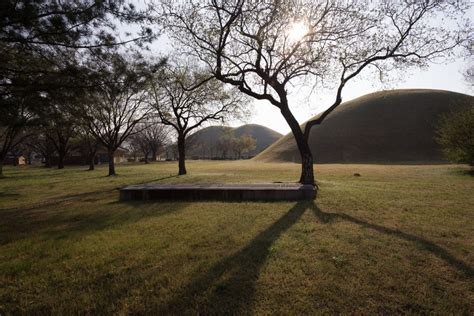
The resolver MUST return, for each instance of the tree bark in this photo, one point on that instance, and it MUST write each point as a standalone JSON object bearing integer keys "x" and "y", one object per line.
{"x": 181, "y": 155}
{"x": 61, "y": 156}
{"x": 153, "y": 154}
{"x": 91, "y": 161}
{"x": 111, "y": 162}
{"x": 307, "y": 172}
{"x": 91, "y": 164}
{"x": 47, "y": 161}
{"x": 1, "y": 167}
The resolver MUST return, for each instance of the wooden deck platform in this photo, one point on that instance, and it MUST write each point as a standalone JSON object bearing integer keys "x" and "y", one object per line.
{"x": 221, "y": 192}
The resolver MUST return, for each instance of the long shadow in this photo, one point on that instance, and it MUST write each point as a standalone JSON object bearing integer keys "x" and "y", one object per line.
{"x": 228, "y": 287}
{"x": 424, "y": 244}
{"x": 469, "y": 172}
{"x": 74, "y": 222}
{"x": 55, "y": 201}
{"x": 69, "y": 197}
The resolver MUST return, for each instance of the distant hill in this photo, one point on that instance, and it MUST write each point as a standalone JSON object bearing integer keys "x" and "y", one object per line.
{"x": 395, "y": 126}
{"x": 203, "y": 143}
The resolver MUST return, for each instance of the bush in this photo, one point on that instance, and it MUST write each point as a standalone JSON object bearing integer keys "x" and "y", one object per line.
{"x": 456, "y": 136}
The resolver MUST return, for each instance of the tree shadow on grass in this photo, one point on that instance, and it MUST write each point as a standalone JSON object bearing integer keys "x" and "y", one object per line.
{"x": 469, "y": 172}
{"x": 84, "y": 196}
{"x": 228, "y": 287}
{"x": 9, "y": 195}
{"x": 422, "y": 243}
{"x": 75, "y": 220}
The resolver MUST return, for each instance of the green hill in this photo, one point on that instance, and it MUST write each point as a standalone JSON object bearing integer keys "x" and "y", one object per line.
{"x": 203, "y": 143}
{"x": 394, "y": 126}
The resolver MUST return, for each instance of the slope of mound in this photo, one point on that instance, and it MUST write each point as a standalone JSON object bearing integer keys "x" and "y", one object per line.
{"x": 382, "y": 127}
{"x": 204, "y": 143}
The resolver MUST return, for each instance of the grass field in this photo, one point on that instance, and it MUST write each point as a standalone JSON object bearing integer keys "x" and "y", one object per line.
{"x": 398, "y": 239}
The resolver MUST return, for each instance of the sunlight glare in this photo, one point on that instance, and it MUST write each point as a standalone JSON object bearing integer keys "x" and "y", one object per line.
{"x": 297, "y": 31}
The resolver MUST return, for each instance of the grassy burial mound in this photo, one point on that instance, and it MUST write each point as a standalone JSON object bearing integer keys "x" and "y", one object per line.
{"x": 393, "y": 126}
{"x": 205, "y": 143}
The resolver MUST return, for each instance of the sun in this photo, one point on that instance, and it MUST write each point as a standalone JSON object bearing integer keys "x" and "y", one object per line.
{"x": 297, "y": 31}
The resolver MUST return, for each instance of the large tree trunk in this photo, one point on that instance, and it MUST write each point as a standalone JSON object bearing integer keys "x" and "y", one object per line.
{"x": 91, "y": 159}
{"x": 153, "y": 154}
{"x": 111, "y": 163}
{"x": 181, "y": 155}
{"x": 91, "y": 164}
{"x": 61, "y": 156}
{"x": 47, "y": 161}
{"x": 146, "y": 157}
{"x": 307, "y": 172}
{"x": 1, "y": 167}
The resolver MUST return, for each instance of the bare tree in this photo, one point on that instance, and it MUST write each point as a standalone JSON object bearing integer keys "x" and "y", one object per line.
{"x": 264, "y": 48}
{"x": 42, "y": 145}
{"x": 152, "y": 136}
{"x": 60, "y": 127}
{"x": 116, "y": 107}
{"x": 88, "y": 145}
{"x": 185, "y": 105}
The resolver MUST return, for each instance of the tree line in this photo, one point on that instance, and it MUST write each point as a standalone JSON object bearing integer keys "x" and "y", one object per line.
{"x": 133, "y": 101}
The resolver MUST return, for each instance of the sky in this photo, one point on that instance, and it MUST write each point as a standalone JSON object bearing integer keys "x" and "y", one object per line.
{"x": 305, "y": 104}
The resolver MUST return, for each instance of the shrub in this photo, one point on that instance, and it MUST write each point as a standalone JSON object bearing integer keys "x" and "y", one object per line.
{"x": 456, "y": 136}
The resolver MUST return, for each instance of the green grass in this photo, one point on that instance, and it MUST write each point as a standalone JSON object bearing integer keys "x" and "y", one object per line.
{"x": 398, "y": 239}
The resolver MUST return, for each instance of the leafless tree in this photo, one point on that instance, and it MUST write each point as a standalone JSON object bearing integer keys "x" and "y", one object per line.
{"x": 264, "y": 48}
{"x": 183, "y": 101}
{"x": 152, "y": 136}
{"x": 114, "y": 109}
{"x": 42, "y": 145}
{"x": 88, "y": 145}
{"x": 59, "y": 127}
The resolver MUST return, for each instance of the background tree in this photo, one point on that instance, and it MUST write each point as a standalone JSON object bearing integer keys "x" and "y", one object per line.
{"x": 88, "y": 145}
{"x": 137, "y": 147}
{"x": 456, "y": 136}
{"x": 42, "y": 145}
{"x": 114, "y": 109}
{"x": 43, "y": 45}
{"x": 227, "y": 142}
{"x": 15, "y": 124}
{"x": 60, "y": 127}
{"x": 244, "y": 144}
{"x": 183, "y": 102}
{"x": 152, "y": 136}
{"x": 264, "y": 48}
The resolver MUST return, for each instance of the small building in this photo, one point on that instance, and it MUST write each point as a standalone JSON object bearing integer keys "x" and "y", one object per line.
{"x": 14, "y": 160}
